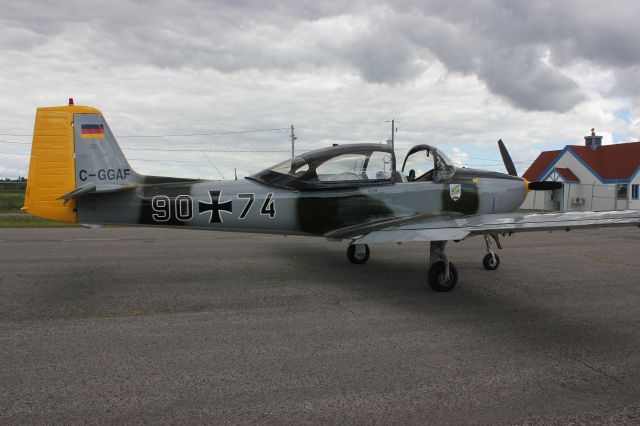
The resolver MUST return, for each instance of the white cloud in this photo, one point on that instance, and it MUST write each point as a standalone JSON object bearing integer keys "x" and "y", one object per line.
{"x": 458, "y": 157}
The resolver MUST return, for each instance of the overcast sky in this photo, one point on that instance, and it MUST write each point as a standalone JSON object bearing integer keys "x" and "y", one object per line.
{"x": 455, "y": 74}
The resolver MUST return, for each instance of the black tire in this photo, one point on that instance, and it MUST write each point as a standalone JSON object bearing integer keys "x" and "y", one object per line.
{"x": 488, "y": 262}
{"x": 436, "y": 274}
{"x": 351, "y": 254}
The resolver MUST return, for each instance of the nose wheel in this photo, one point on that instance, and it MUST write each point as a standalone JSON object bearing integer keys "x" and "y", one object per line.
{"x": 358, "y": 253}
{"x": 491, "y": 261}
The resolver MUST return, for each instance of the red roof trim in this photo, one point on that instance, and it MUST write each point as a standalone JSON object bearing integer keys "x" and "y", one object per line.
{"x": 567, "y": 175}
{"x": 541, "y": 164}
{"x": 608, "y": 162}
{"x": 618, "y": 161}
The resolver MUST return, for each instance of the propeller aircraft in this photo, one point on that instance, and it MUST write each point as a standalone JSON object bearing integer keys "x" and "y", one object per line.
{"x": 352, "y": 192}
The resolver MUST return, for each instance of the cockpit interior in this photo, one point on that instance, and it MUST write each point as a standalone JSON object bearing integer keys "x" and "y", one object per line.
{"x": 357, "y": 165}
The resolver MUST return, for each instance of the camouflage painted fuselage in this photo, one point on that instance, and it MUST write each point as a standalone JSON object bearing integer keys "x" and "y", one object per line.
{"x": 250, "y": 206}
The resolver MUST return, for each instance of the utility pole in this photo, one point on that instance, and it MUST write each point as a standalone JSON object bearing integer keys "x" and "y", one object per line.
{"x": 391, "y": 141}
{"x": 393, "y": 132}
{"x": 293, "y": 141}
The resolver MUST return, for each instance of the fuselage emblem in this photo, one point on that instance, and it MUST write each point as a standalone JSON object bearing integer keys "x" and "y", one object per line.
{"x": 215, "y": 207}
{"x": 455, "y": 191}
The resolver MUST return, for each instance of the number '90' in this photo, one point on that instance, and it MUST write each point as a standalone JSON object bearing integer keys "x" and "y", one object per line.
{"x": 182, "y": 206}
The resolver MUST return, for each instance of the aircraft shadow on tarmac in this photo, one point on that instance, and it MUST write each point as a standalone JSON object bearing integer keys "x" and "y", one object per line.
{"x": 491, "y": 308}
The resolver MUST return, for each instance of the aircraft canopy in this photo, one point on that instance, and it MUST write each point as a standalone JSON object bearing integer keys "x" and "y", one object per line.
{"x": 342, "y": 166}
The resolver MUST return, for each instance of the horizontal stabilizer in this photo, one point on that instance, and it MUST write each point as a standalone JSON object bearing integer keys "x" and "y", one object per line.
{"x": 92, "y": 188}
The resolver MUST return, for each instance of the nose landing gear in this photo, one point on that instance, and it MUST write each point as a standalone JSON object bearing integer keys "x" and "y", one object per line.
{"x": 491, "y": 260}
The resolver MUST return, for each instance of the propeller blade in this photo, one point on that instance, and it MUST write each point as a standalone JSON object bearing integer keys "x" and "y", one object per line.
{"x": 506, "y": 159}
{"x": 544, "y": 186}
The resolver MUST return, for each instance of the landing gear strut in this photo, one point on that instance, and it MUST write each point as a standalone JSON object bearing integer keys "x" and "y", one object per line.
{"x": 491, "y": 260}
{"x": 442, "y": 275}
{"x": 358, "y": 253}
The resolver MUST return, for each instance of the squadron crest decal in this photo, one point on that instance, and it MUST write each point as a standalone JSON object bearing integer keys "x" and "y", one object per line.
{"x": 455, "y": 191}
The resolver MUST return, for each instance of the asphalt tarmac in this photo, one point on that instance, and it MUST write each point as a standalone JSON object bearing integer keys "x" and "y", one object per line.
{"x": 138, "y": 325}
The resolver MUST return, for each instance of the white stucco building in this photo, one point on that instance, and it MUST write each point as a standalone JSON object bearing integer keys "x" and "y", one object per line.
{"x": 594, "y": 177}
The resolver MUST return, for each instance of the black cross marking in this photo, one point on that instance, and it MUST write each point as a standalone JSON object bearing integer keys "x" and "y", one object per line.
{"x": 215, "y": 207}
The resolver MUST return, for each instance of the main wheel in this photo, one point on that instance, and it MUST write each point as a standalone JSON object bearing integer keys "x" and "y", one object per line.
{"x": 437, "y": 280}
{"x": 489, "y": 263}
{"x": 355, "y": 258}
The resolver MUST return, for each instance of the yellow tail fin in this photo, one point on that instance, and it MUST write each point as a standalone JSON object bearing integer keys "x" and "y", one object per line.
{"x": 52, "y": 166}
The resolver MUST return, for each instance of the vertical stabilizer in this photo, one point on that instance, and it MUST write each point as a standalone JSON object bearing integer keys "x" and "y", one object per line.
{"x": 72, "y": 146}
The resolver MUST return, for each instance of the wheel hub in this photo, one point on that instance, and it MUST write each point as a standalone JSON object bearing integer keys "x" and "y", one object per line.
{"x": 445, "y": 281}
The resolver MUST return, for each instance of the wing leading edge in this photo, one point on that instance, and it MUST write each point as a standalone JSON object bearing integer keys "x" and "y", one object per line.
{"x": 446, "y": 229}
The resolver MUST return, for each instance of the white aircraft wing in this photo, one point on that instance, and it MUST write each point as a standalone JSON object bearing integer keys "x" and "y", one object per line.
{"x": 458, "y": 228}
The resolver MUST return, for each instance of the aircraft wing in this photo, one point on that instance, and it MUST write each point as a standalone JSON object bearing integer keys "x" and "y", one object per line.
{"x": 375, "y": 225}
{"x": 459, "y": 228}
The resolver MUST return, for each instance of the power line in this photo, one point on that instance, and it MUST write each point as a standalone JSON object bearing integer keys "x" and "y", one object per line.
{"x": 169, "y": 149}
{"x": 16, "y": 143}
{"x": 166, "y": 149}
{"x": 198, "y": 161}
{"x": 233, "y": 132}
{"x": 166, "y": 161}
{"x": 215, "y": 132}
{"x": 26, "y": 154}
{"x": 462, "y": 156}
{"x": 498, "y": 162}
{"x": 200, "y": 150}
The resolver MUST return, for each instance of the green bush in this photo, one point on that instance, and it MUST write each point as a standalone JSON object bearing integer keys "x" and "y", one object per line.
{"x": 11, "y": 201}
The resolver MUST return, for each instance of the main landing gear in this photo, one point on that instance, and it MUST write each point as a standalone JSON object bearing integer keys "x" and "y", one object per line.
{"x": 358, "y": 253}
{"x": 442, "y": 275}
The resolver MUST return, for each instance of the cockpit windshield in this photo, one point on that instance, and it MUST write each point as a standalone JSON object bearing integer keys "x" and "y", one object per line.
{"x": 294, "y": 167}
{"x": 356, "y": 167}
{"x": 340, "y": 166}
{"x": 425, "y": 163}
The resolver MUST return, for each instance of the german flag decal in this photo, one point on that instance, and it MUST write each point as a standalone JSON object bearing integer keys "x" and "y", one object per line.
{"x": 92, "y": 131}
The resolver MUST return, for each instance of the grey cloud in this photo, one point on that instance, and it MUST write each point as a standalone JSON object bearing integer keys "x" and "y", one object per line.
{"x": 628, "y": 82}
{"x": 382, "y": 58}
{"x": 517, "y": 74}
{"x": 469, "y": 33}
{"x": 499, "y": 41}
{"x": 529, "y": 83}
